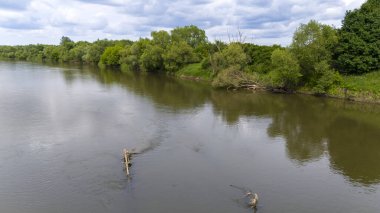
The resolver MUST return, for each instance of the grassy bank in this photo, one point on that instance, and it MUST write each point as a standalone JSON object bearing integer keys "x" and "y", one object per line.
{"x": 362, "y": 88}
{"x": 365, "y": 88}
{"x": 194, "y": 71}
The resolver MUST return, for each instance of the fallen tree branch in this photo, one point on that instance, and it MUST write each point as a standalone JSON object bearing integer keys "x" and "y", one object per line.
{"x": 127, "y": 160}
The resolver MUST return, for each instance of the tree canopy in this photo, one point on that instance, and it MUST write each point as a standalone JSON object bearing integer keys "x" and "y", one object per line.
{"x": 286, "y": 70}
{"x": 358, "y": 49}
{"x": 313, "y": 43}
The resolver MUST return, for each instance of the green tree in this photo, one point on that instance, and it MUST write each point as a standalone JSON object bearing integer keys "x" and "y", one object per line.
{"x": 161, "y": 38}
{"x": 259, "y": 57}
{"x": 66, "y": 43}
{"x": 192, "y": 35}
{"x": 93, "y": 53}
{"x": 178, "y": 55}
{"x": 286, "y": 70}
{"x": 358, "y": 50}
{"x": 130, "y": 56}
{"x": 151, "y": 60}
{"x": 77, "y": 53}
{"x": 235, "y": 55}
{"x": 231, "y": 55}
{"x": 111, "y": 56}
{"x": 51, "y": 53}
{"x": 313, "y": 43}
{"x": 327, "y": 78}
{"x": 95, "y": 50}
{"x": 128, "y": 60}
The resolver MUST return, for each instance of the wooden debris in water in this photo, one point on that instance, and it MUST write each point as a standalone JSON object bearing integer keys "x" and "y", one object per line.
{"x": 252, "y": 198}
{"x": 127, "y": 160}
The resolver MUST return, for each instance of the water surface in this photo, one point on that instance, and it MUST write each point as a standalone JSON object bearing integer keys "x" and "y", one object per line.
{"x": 62, "y": 131}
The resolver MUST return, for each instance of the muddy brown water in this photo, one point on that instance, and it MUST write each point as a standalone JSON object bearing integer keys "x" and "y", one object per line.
{"x": 63, "y": 128}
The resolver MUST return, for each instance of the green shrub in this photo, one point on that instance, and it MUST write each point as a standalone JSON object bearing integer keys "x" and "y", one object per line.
{"x": 195, "y": 70}
{"x": 328, "y": 78}
{"x": 286, "y": 70}
{"x": 111, "y": 56}
{"x": 178, "y": 55}
{"x": 151, "y": 60}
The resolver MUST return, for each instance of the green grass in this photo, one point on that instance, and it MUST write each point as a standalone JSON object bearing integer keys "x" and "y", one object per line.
{"x": 369, "y": 82}
{"x": 194, "y": 71}
{"x": 365, "y": 88}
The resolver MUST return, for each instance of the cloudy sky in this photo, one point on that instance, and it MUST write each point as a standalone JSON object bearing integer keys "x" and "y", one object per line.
{"x": 261, "y": 21}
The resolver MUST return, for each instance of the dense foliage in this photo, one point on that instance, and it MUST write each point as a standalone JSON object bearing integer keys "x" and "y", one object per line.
{"x": 313, "y": 43}
{"x": 358, "y": 50}
{"x": 311, "y": 61}
{"x": 286, "y": 70}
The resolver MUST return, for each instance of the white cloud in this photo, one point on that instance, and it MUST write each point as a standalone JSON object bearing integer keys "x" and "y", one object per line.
{"x": 262, "y": 21}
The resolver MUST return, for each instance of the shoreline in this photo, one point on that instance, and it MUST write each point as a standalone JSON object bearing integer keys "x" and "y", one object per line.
{"x": 338, "y": 93}
{"x": 353, "y": 96}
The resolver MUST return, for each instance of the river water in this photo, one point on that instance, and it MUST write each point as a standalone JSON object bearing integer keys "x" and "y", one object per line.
{"x": 62, "y": 131}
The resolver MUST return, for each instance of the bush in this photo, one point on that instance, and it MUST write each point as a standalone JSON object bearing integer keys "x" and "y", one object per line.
{"x": 206, "y": 63}
{"x": 178, "y": 55}
{"x": 259, "y": 57}
{"x": 286, "y": 70}
{"x": 328, "y": 78}
{"x": 232, "y": 55}
{"x": 111, "y": 56}
{"x": 151, "y": 60}
{"x": 194, "y": 70}
{"x": 232, "y": 77}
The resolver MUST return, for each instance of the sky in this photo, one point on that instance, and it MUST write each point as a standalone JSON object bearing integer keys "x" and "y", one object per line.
{"x": 263, "y": 22}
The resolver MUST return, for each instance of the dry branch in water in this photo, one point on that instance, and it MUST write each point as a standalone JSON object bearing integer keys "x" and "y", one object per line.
{"x": 127, "y": 160}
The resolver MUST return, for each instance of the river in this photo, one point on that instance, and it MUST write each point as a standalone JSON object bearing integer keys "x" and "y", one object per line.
{"x": 63, "y": 128}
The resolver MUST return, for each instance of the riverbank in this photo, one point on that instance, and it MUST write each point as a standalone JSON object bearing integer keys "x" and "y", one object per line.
{"x": 363, "y": 88}
{"x": 308, "y": 66}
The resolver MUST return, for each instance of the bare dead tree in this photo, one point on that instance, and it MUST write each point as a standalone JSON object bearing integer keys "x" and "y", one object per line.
{"x": 239, "y": 37}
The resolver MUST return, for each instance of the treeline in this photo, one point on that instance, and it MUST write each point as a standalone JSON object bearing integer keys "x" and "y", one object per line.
{"x": 66, "y": 51}
{"x": 316, "y": 58}
{"x": 165, "y": 51}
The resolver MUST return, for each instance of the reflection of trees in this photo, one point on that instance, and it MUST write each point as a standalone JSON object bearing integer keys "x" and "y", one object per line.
{"x": 309, "y": 125}
{"x": 352, "y": 139}
{"x": 303, "y": 123}
{"x": 312, "y": 126}
{"x": 351, "y": 136}
{"x": 233, "y": 105}
{"x": 355, "y": 150}
{"x": 293, "y": 117}
{"x": 168, "y": 92}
